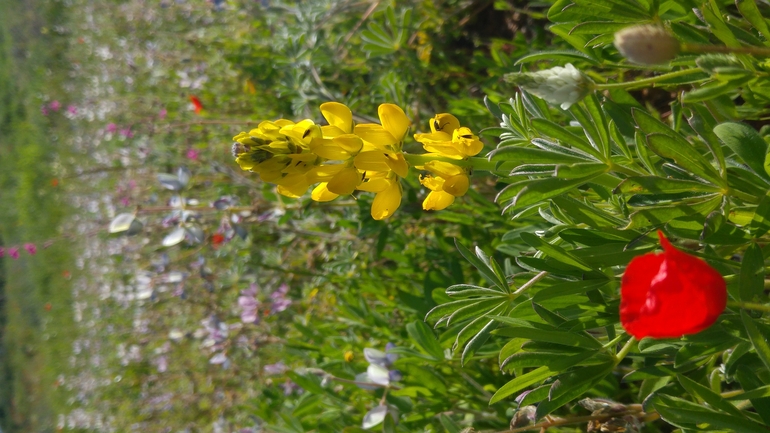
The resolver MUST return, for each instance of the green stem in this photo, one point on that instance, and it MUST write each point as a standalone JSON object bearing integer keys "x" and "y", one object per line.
{"x": 701, "y": 48}
{"x": 647, "y": 81}
{"x": 624, "y": 351}
{"x": 749, "y": 306}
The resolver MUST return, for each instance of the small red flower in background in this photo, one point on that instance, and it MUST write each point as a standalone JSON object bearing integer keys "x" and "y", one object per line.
{"x": 217, "y": 239}
{"x": 197, "y": 104}
{"x": 671, "y": 294}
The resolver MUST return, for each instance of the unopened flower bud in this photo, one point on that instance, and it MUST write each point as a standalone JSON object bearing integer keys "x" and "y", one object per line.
{"x": 646, "y": 44}
{"x": 560, "y": 85}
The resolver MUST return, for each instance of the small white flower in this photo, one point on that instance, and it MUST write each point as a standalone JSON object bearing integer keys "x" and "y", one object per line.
{"x": 647, "y": 44}
{"x": 559, "y": 85}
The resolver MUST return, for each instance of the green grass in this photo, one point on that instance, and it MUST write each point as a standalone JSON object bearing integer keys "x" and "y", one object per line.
{"x": 36, "y": 341}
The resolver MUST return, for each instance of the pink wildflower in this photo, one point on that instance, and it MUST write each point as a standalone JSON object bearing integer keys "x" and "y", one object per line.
{"x": 73, "y": 110}
{"x": 126, "y": 132}
{"x": 162, "y": 114}
{"x": 31, "y": 249}
{"x": 112, "y": 128}
{"x": 13, "y": 252}
{"x": 44, "y": 110}
{"x": 54, "y": 105}
{"x": 192, "y": 154}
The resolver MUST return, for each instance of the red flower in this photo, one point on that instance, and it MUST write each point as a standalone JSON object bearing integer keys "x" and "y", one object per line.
{"x": 671, "y": 294}
{"x": 217, "y": 239}
{"x": 196, "y": 103}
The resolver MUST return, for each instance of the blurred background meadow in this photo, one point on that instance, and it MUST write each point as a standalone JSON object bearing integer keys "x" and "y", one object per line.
{"x": 107, "y": 332}
{"x": 148, "y": 284}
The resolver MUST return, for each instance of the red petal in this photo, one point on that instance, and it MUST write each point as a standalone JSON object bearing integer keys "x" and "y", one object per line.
{"x": 671, "y": 294}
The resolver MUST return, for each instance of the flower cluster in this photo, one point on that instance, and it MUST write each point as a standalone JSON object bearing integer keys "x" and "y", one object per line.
{"x": 343, "y": 157}
{"x": 446, "y": 180}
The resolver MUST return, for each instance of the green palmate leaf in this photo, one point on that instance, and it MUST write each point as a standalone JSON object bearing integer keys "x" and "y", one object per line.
{"x": 706, "y": 395}
{"x": 423, "y": 337}
{"x": 689, "y": 415}
{"x": 572, "y": 385}
{"x": 605, "y": 256}
{"x": 746, "y": 142}
{"x": 660, "y": 185}
{"x": 555, "y": 131}
{"x": 685, "y": 156}
{"x": 538, "y": 375}
{"x": 540, "y": 190}
{"x": 477, "y": 309}
{"x": 442, "y": 312}
{"x": 554, "y": 251}
{"x": 760, "y": 222}
{"x": 752, "y": 279}
{"x": 481, "y": 262}
{"x": 758, "y": 340}
{"x": 659, "y": 215}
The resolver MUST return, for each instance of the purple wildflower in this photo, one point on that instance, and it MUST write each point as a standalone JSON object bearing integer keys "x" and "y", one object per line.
{"x": 192, "y": 154}
{"x": 277, "y": 368}
{"x": 126, "y": 132}
{"x": 162, "y": 114}
{"x": 249, "y": 304}
{"x": 280, "y": 301}
{"x": 111, "y": 128}
{"x": 44, "y": 110}
{"x": 73, "y": 110}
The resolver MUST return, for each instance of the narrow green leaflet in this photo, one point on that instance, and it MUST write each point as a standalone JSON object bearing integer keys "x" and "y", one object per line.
{"x": 554, "y": 251}
{"x": 751, "y": 13}
{"x": 661, "y": 185}
{"x": 539, "y": 190}
{"x": 760, "y": 222}
{"x": 746, "y": 142}
{"x": 707, "y": 395}
{"x": 689, "y": 415}
{"x": 546, "y": 333}
{"x": 538, "y": 375}
{"x": 757, "y": 339}
{"x": 572, "y": 385}
{"x": 558, "y": 132}
{"x": 685, "y": 156}
{"x": 423, "y": 337}
{"x": 530, "y": 155}
{"x": 752, "y": 278}
{"x": 657, "y": 215}
{"x": 583, "y": 213}
{"x": 483, "y": 265}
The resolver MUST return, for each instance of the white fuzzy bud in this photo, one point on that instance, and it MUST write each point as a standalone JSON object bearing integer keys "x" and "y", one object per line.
{"x": 560, "y": 85}
{"x": 646, "y": 44}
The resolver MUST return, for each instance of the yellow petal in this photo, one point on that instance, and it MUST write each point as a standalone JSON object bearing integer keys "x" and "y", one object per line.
{"x": 293, "y": 185}
{"x": 386, "y": 202}
{"x": 394, "y": 120}
{"x": 469, "y": 144}
{"x": 338, "y": 115}
{"x": 321, "y": 193}
{"x": 374, "y": 160}
{"x": 375, "y": 185}
{"x": 324, "y": 172}
{"x": 443, "y": 169}
{"x": 444, "y": 122}
{"x": 328, "y": 149}
{"x": 437, "y": 200}
{"x": 345, "y": 182}
{"x": 397, "y": 163}
{"x": 432, "y": 183}
{"x": 375, "y": 134}
{"x": 350, "y": 142}
{"x": 457, "y": 185}
{"x": 331, "y": 131}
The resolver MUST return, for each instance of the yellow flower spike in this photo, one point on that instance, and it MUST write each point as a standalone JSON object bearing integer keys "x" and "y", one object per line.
{"x": 300, "y": 163}
{"x": 445, "y": 123}
{"x": 386, "y": 202}
{"x": 372, "y": 160}
{"x": 397, "y": 163}
{"x": 345, "y": 182}
{"x": 376, "y": 135}
{"x": 394, "y": 120}
{"x": 302, "y": 132}
{"x": 437, "y": 200}
{"x": 457, "y": 185}
{"x": 321, "y": 193}
{"x": 338, "y": 115}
